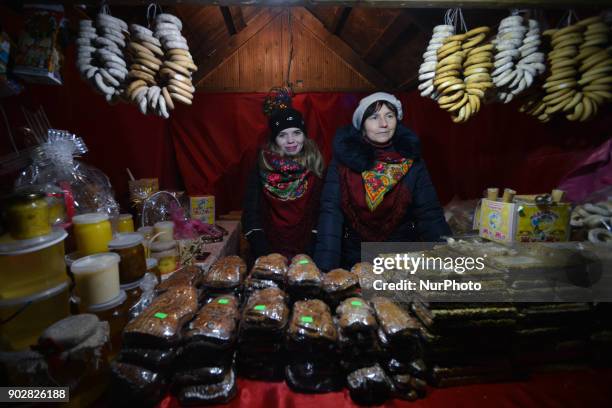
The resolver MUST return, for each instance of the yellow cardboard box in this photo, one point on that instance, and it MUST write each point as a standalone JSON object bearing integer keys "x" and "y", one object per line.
{"x": 524, "y": 221}
{"x": 202, "y": 208}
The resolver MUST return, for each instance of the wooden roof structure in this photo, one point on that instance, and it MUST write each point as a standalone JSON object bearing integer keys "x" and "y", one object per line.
{"x": 323, "y": 45}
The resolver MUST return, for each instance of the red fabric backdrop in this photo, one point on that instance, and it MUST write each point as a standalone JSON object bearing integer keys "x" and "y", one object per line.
{"x": 208, "y": 148}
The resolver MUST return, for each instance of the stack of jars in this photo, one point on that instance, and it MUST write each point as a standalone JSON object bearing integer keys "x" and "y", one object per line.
{"x": 34, "y": 292}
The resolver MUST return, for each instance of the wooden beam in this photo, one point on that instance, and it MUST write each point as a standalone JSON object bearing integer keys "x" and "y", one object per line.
{"x": 228, "y": 19}
{"x": 340, "y": 48}
{"x": 496, "y": 4}
{"x": 208, "y": 63}
{"x": 394, "y": 29}
{"x": 238, "y": 18}
{"x": 340, "y": 19}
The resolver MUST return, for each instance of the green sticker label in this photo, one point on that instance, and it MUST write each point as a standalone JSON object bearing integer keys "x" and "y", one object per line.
{"x": 356, "y": 303}
{"x": 303, "y": 261}
{"x": 160, "y": 315}
{"x": 223, "y": 301}
{"x": 306, "y": 319}
{"x": 260, "y": 307}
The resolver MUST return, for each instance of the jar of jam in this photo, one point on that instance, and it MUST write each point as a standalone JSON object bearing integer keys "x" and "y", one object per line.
{"x": 27, "y": 216}
{"x": 116, "y": 313}
{"x": 125, "y": 223}
{"x": 133, "y": 263}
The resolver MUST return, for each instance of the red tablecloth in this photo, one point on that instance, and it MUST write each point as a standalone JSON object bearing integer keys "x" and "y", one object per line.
{"x": 577, "y": 388}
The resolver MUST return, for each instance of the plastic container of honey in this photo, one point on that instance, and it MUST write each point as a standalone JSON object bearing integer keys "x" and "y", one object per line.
{"x": 92, "y": 233}
{"x": 96, "y": 278}
{"x": 116, "y": 313}
{"x": 164, "y": 230}
{"x": 31, "y": 266}
{"x": 125, "y": 223}
{"x": 133, "y": 263}
{"x": 166, "y": 254}
{"x": 25, "y": 318}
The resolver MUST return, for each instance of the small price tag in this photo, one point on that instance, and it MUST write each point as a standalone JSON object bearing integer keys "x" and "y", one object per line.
{"x": 260, "y": 307}
{"x": 223, "y": 301}
{"x": 306, "y": 319}
{"x": 356, "y": 303}
{"x": 303, "y": 261}
{"x": 160, "y": 315}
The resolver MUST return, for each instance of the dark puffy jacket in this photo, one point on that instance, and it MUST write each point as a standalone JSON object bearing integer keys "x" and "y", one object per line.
{"x": 338, "y": 245}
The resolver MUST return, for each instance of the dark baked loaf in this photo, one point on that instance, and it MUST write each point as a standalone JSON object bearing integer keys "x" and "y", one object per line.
{"x": 311, "y": 321}
{"x": 303, "y": 272}
{"x": 396, "y": 322}
{"x": 339, "y": 280}
{"x": 159, "y": 326}
{"x": 270, "y": 267}
{"x": 369, "y": 386}
{"x": 356, "y": 315}
{"x": 266, "y": 310}
{"x": 226, "y": 273}
{"x": 154, "y": 359}
{"x": 187, "y": 276}
{"x": 135, "y": 386}
{"x": 365, "y": 274}
{"x": 216, "y": 323}
{"x": 218, "y": 393}
{"x": 200, "y": 375}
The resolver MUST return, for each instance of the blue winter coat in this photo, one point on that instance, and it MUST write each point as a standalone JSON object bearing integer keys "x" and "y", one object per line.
{"x": 338, "y": 245}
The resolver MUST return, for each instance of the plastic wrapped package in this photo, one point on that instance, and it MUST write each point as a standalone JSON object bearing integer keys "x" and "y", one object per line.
{"x": 304, "y": 277}
{"x": 86, "y": 188}
{"x": 356, "y": 315}
{"x": 160, "y": 325}
{"x": 152, "y": 359}
{"x": 200, "y": 375}
{"x": 314, "y": 376}
{"x": 365, "y": 274}
{"x": 252, "y": 284}
{"x": 147, "y": 294}
{"x": 226, "y": 273}
{"x": 397, "y": 324}
{"x": 339, "y": 284}
{"x": 132, "y": 385}
{"x": 369, "y": 385}
{"x": 187, "y": 276}
{"x": 218, "y": 393}
{"x": 312, "y": 324}
{"x": 402, "y": 387}
{"x": 266, "y": 310}
{"x": 215, "y": 325}
{"x": 270, "y": 267}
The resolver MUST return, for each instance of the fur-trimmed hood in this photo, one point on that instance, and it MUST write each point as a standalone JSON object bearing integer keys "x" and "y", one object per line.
{"x": 352, "y": 151}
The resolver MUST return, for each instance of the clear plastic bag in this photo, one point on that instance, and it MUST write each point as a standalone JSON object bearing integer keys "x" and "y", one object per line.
{"x": 226, "y": 273}
{"x": 311, "y": 321}
{"x": 270, "y": 267}
{"x": 216, "y": 323}
{"x": 266, "y": 310}
{"x": 303, "y": 272}
{"x": 86, "y": 189}
{"x": 356, "y": 315}
{"x": 147, "y": 287}
{"x": 396, "y": 322}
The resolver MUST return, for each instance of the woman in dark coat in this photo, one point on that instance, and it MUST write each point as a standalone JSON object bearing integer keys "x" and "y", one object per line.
{"x": 281, "y": 204}
{"x": 377, "y": 187}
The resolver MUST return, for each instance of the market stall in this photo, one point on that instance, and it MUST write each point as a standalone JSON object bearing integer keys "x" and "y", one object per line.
{"x": 209, "y": 204}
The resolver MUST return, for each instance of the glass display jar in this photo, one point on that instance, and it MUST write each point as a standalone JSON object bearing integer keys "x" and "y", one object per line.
{"x": 27, "y": 216}
{"x": 125, "y": 223}
{"x": 116, "y": 313}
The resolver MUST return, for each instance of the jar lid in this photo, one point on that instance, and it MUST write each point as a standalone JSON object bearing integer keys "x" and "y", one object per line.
{"x": 100, "y": 307}
{"x": 165, "y": 254}
{"x": 132, "y": 285}
{"x": 125, "y": 216}
{"x": 125, "y": 240}
{"x": 164, "y": 224}
{"x": 159, "y": 246}
{"x": 72, "y": 258}
{"x": 89, "y": 218}
{"x": 25, "y": 196}
{"x": 145, "y": 230}
{"x": 9, "y": 246}
{"x": 94, "y": 263}
{"x": 35, "y": 297}
{"x": 151, "y": 263}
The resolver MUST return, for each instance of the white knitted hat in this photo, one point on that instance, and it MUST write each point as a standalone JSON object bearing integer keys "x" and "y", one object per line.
{"x": 370, "y": 99}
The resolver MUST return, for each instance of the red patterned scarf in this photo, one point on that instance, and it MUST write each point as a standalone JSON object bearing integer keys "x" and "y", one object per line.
{"x": 287, "y": 180}
{"x": 375, "y": 201}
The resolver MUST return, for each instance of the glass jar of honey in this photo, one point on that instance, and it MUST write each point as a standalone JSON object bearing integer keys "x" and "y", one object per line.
{"x": 27, "y": 216}
{"x": 125, "y": 223}
{"x": 133, "y": 292}
{"x": 116, "y": 313}
{"x": 133, "y": 263}
{"x": 92, "y": 233}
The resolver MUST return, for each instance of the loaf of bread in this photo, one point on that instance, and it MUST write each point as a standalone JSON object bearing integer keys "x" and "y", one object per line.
{"x": 311, "y": 321}
{"x": 187, "y": 276}
{"x": 266, "y": 310}
{"x": 226, "y": 273}
{"x": 216, "y": 323}
{"x": 159, "y": 326}
{"x": 396, "y": 323}
{"x": 356, "y": 315}
{"x": 270, "y": 267}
